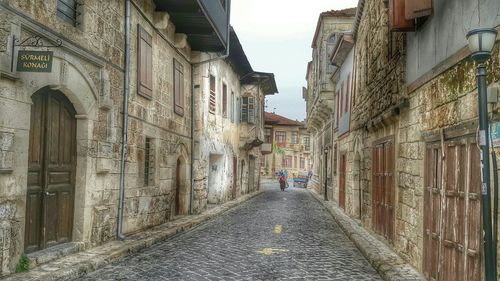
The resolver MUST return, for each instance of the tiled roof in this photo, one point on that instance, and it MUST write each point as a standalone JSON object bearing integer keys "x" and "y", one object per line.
{"x": 349, "y": 12}
{"x": 275, "y": 119}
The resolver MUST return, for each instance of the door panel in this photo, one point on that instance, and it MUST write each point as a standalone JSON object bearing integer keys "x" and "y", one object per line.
{"x": 342, "y": 181}
{"x": 452, "y": 218}
{"x": 51, "y": 171}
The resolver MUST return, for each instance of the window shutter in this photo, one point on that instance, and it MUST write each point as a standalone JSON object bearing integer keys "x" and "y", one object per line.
{"x": 417, "y": 8}
{"x": 212, "y": 97}
{"x": 144, "y": 63}
{"x": 251, "y": 110}
{"x": 347, "y": 90}
{"x": 244, "y": 109}
{"x": 224, "y": 100}
{"x": 178, "y": 88}
{"x": 397, "y": 20}
{"x": 231, "y": 108}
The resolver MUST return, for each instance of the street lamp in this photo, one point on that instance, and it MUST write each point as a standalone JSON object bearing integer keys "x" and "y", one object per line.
{"x": 325, "y": 173}
{"x": 481, "y": 43}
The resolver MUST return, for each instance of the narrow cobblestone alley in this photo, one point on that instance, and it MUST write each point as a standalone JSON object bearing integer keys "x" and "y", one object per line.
{"x": 275, "y": 236}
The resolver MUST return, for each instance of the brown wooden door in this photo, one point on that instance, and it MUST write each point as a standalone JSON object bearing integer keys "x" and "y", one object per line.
{"x": 235, "y": 176}
{"x": 342, "y": 181}
{"x": 51, "y": 171}
{"x": 452, "y": 214}
{"x": 383, "y": 197}
{"x": 178, "y": 188}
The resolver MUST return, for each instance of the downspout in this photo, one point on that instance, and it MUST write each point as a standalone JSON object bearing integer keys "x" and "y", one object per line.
{"x": 126, "y": 92}
{"x": 193, "y": 65}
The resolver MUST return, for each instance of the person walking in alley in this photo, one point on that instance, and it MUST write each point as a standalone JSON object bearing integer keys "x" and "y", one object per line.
{"x": 282, "y": 182}
{"x": 285, "y": 173}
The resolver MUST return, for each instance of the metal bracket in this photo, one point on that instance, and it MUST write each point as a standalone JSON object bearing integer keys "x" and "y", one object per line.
{"x": 32, "y": 41}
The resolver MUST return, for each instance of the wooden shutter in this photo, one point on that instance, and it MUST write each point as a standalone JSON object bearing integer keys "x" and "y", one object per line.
{"x": 244, "y": 109}
{"x": 341, "y": 103}
{"x": 347, "y": 90}
{"x": 212, "y": 97}
{"x": 417, "y": 8}
{"x": 178, "y": 88}
{"x": 251, "y": 110}
{"x": 397, "y": 20}
{"x": 224, "y": 100}
{"x": 144, "y": 63}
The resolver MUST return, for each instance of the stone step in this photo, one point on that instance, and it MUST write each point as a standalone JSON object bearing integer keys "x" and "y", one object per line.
{"x": 47, "y": 255}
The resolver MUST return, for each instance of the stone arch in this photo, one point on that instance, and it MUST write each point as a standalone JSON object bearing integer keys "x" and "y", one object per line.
{"x": 357, "y": 183}
{"x": 181, "y": 183}
{"x": 69, "y": 77}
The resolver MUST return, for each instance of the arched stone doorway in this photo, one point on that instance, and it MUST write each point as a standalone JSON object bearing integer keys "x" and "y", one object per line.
{"x": 51, "y": 171}
{"x": 181, "y": 188}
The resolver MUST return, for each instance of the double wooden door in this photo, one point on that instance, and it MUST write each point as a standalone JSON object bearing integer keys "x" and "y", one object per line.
{"x": 452, "y": 222}
{"x": 383, "y": 197}
{"x": 51, "y": 171}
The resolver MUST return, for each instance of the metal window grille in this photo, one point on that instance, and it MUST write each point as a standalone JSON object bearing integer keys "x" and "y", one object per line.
{"x": 69, "y": 11}
{"x": 212, "y": 97}
{"x": 149, "y": 165}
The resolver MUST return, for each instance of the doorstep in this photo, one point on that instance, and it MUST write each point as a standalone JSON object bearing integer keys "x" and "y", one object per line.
{"x": 73, "y": 265}
{"x": 56, "y": 252}
{"x": 388, "y": 263}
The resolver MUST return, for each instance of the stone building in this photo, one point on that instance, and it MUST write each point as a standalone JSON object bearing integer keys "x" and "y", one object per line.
{"x": 321, "y": 96}
{"x": 229, "y": 126}
{"x": 291, "y": 143}
{"x": 110, "y": 113}
{"x": 411, "y": 158}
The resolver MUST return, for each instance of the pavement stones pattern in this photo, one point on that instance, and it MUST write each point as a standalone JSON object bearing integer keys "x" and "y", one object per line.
{"x": 275, "y": 236}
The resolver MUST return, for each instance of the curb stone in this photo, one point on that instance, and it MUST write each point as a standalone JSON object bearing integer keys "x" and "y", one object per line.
{"x": 388, "y": 264}
{"x": 78, "y": 264}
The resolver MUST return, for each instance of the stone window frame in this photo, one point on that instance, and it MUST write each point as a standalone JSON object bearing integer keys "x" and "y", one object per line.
{"x": 280, "y": 137}
{"x": 178, "y": 84}
{"x": 295, "y": 137}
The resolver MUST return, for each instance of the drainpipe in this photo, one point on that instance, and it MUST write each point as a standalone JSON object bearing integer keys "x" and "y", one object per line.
{"x": 193, "y": 65}
{"x": 126, "y": 93}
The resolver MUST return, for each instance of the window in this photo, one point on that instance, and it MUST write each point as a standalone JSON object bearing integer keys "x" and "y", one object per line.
{"x": 307, "y": 143}
{"x": 224, "y": 100}
{"x": 280, "y": 137}
{"x": 149, "y": 164}
{"x": 295, "y": 163}
{"x": 178, "y": 88}
{"x": 295, "y": 137}
{"x": 347, "y": 93}
{"x": 144, "y": 63}
{"x": 268, "y": 135}
{"x": 287, "y": 162}
{"x": 231, "y": 108}
{"x": 68, "y": 10}
{"x": 212, "y": 97}
{"x": 247, "y": 110}
{"x": 302, "y": 163}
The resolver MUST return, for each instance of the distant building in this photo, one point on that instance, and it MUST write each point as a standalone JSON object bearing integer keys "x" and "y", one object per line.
{"x": 290, "y": 146}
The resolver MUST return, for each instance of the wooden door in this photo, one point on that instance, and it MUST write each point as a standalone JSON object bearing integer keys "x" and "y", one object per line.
{"x": 178, "y": 188}
{"x": 51, "y": 171}
{"x": 235, "y": 176}
{"x": 383, "y": 197}
{"x": 342, "y": 171}
{"x": 452, "y": 226}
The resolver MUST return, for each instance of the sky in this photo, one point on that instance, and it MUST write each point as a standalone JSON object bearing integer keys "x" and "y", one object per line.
{"x": 276, "y": 36}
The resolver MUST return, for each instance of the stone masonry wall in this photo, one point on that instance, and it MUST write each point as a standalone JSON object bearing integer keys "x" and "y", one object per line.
{"x": 89, "y": 70}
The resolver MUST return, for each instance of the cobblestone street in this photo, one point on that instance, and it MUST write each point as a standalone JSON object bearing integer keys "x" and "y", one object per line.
{"x": 275, "y": 236}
